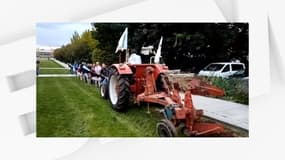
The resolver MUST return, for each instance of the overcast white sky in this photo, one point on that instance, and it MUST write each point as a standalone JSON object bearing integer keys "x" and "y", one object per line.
{"x": 57, "y": 34}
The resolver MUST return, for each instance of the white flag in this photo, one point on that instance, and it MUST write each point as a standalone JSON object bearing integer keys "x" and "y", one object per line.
{"x": 158, "y": 52}
{"x": 123, "y": 42}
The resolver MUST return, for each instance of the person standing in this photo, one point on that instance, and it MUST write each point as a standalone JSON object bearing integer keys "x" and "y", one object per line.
{"x": 97, "y": 69}
{"x": 38, "y": 67}
{"x": 104, "y": 74}
{"x": 104, "y": 71}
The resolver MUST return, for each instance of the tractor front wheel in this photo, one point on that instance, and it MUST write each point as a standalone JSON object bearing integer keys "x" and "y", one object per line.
{"x": 103, "y": 91}
{"x": 119, "y": 90}
{"x": 165, "y": 128}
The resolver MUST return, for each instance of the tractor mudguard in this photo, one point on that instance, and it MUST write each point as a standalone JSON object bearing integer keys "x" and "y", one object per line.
{"x": 123, "y": 68}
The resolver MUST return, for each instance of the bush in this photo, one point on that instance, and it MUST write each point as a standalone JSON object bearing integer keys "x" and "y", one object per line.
{"x": 236, "y": 89}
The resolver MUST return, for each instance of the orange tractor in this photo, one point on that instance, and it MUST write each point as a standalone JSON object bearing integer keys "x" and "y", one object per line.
{"x": 149, "y": 83}
{"x": 137, "y": 83}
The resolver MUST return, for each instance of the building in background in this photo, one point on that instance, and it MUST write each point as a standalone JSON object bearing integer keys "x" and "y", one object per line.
{"x": 45, "y": 52}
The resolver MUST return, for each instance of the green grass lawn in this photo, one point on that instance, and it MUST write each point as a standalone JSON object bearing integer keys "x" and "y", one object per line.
{"x": 49, "y": 64}
{"x": 69, "y": 107}
{"x": 54, "y": 71}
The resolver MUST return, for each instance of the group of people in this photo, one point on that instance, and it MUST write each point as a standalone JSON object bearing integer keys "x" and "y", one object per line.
{"x": 97, "y": 73}
{"x": 91, "y": 73}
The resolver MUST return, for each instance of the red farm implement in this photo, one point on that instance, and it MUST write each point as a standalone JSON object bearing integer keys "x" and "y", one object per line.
{"x": 149, "y": 83}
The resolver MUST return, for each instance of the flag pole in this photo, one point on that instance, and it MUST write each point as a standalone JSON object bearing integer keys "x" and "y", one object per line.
{"x": 127, "y": 55}
{"x": 123, "y": 45}
{"x": 119, "y": 57}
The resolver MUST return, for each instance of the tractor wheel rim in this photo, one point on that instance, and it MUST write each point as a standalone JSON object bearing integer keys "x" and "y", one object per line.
{"x": 117, "y": 88}
{"x": 112, "y": 89}
{"x": 163, "y": 131}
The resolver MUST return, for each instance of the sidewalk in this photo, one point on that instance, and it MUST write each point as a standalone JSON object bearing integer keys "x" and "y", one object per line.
{"x": 60, "y": 63}
{"x": 229, "y": 112}
{"x": 235, "y": 114}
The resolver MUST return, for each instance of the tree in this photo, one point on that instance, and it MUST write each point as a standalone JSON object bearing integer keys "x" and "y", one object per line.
{"x": 79, "y": 49}
{"x": 107, "y": 36}
{"x": 187, "y": 46}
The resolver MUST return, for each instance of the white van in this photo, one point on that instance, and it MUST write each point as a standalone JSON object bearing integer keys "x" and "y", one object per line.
{"x": 223, "y": 69}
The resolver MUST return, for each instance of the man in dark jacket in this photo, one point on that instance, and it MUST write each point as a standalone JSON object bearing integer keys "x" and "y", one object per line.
{"x": 104, "y": 72}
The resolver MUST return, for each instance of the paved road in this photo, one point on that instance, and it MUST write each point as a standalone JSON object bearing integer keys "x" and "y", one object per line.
{"x": 229, "y": 112}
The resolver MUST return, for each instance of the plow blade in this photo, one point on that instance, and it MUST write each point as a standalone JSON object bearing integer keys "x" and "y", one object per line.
{"x": 205, "y": 89}
{"x": 205, "y": 129}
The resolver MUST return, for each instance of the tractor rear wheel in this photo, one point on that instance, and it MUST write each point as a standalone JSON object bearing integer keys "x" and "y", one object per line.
{"x": 165, "y": 128}
{"x": 119, "y": 90}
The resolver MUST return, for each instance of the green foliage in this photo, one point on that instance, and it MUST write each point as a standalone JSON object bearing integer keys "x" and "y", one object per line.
{"x": 107, "y": 36}
{"x": 97, "y": 55}
{"x": 80, "y": 48}
{"x": 235, "y": 89}
{"x": 186, "y": 46}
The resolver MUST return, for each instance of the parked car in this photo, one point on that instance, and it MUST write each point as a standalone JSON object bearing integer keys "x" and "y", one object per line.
{"x": 223, "y": 69}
